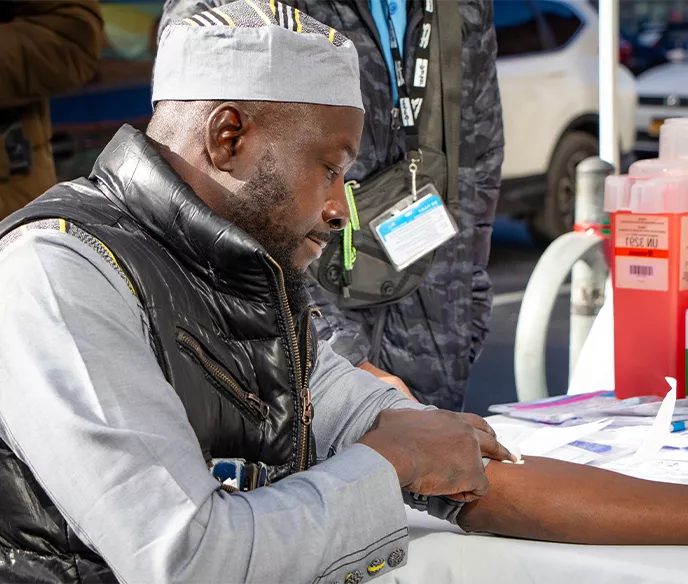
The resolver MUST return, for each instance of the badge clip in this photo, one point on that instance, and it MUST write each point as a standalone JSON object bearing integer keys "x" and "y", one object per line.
{"x": 413, "y": 169}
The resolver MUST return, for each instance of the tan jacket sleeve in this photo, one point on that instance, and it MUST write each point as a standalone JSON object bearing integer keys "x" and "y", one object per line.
{"x": 49, "y": 47}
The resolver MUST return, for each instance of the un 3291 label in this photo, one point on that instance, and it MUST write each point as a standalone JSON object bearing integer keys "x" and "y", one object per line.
{"x": 641, "y": 252}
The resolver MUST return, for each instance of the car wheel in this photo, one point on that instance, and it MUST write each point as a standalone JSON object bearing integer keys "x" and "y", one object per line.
{"x": 557, "y": 214}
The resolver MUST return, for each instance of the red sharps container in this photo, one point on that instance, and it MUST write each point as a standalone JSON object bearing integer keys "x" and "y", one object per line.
{"x": 649, "y": 244}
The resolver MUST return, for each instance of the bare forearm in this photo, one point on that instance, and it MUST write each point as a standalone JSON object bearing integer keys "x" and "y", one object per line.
{"x": 551, "y": 500}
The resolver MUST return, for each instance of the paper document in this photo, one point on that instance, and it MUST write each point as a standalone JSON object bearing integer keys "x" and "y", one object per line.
{"x": 669, "y": 471}
{"x": 538, "y": 441}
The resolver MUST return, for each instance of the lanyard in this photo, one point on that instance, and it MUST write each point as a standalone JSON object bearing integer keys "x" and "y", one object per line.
{"x": 411, "y": 98}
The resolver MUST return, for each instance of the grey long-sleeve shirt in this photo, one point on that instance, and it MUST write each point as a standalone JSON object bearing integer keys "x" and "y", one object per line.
{"x": 84, "y": 404}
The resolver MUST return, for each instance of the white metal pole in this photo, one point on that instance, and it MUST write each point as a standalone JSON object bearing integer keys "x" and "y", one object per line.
{"x": 589, "y": 277}
{"x": 609, "y": 66}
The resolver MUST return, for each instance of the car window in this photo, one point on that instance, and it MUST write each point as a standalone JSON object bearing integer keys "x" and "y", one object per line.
{"x": 676, "y": 38}
{"x": 560, "y": 19}
{"x": 516, "y": 26}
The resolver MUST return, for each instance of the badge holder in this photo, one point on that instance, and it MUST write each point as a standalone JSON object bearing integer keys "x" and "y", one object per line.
{"x": 414, "y": 226}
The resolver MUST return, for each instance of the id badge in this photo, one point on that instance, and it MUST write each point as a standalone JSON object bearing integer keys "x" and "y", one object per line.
{"x": 414, "y": 227}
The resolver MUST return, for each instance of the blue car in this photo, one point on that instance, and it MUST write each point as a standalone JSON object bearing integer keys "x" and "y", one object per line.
{"x": 675, "y": 36}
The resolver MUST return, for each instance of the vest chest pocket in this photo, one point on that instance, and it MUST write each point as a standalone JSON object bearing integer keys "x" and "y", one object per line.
{"x": 248, "y": 404}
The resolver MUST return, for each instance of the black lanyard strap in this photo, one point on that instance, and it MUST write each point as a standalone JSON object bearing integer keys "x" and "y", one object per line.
{"x": 411, "y": 98}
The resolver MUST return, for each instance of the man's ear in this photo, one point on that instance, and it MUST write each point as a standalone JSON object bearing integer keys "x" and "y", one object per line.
{"x": 225, "y": 129}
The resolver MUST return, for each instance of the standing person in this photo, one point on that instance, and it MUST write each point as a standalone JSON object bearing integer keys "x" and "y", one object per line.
{"x": 422, "y": 329}
{"x": 47, "y": 48}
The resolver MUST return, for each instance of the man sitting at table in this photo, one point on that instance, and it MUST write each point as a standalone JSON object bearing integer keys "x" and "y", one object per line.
{"x": 166, "y": 414}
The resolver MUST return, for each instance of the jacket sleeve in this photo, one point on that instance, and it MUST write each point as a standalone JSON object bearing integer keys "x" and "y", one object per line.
{"x": 489, "y": 157}
{"x": 47, "y": 48}
{"x": 347, "y": 401}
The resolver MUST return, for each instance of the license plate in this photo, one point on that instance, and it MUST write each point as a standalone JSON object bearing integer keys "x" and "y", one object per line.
{"x": 654, "y": 127}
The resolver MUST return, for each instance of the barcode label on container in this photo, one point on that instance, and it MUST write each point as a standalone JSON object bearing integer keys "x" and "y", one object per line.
{"x": 636, "y": 273}
{"x": 642, "y": 271}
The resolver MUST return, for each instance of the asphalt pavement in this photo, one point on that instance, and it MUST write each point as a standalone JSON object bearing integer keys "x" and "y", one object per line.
{"x": 512, "y": 261}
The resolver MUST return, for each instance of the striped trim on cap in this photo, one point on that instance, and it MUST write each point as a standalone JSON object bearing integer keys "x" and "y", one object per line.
{"x": 257, "y": 13}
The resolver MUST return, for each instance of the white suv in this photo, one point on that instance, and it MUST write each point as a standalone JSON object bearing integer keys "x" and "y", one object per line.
{"x": 548, "y": 75}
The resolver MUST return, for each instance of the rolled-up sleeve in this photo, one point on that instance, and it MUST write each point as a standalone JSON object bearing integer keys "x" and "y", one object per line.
{"x": 347, "y": 400}
{"x": 85, "y": 406}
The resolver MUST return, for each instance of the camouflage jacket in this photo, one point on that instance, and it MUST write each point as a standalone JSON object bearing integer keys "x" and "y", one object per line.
{"x": 431, "y": 338}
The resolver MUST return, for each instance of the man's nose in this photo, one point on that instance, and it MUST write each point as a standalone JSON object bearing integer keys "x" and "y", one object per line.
{"x": 336, "y": 210}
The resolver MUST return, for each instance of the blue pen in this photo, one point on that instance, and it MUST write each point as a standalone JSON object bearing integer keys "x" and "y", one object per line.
{"x": 678, "y": 426}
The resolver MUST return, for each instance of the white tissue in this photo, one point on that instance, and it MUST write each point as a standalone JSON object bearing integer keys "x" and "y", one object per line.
{"x": 661, "y": 427}
{"x": 516, "y": 451}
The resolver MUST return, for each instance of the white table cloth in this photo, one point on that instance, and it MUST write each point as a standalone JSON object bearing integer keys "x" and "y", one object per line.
{"x": 440, "y": 554}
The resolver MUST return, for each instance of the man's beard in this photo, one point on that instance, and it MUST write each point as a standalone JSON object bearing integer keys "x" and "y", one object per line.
{"x": 262, "y": 209}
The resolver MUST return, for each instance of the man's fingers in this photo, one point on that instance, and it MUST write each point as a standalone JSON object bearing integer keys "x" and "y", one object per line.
{"x": 480, "y": 484}
{"x": 481, "y": 490}
{"x": 492, "y": 449}
{"x": 467, "y": 497}
{"x": 474, "y": 479}
{"x": 478, "y": 423}
{"x": 488, "y": 428}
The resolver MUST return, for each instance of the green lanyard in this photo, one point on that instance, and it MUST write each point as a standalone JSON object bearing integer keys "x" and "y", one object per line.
{"x": 348, "y": 249}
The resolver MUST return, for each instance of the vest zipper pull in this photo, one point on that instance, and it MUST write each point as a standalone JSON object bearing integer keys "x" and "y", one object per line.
{"x": 307, "y": 416}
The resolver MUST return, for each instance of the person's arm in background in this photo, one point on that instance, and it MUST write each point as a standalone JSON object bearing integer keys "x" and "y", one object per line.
{"x": 47, "y": 47}
{"x": 550, "y": 500}
{"x": 488, "y": 167}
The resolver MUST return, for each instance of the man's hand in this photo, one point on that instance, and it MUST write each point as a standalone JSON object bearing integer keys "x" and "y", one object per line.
{"x": 436, "y": 452}
{"x": 387, "y": 378}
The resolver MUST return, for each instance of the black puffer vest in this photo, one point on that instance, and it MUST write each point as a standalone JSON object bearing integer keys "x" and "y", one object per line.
{"x": 221, "y": 328}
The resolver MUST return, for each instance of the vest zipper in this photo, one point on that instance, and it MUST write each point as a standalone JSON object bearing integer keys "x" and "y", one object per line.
{"x": 248, "y": 403}
{"x": 307, "y": 414}
{"x": 305, "y": 409}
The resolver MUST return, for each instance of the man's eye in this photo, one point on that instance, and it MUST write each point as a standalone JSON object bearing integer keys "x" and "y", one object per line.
{"x": 332, "y": 174}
